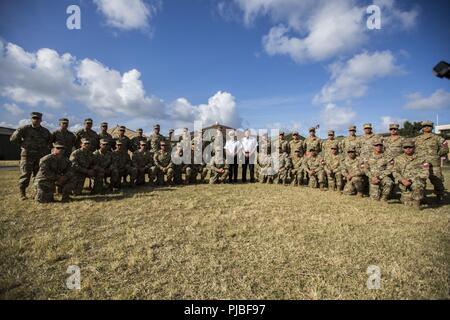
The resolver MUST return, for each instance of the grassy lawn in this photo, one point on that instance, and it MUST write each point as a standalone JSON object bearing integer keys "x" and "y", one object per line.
{"x": 221, "y": 242}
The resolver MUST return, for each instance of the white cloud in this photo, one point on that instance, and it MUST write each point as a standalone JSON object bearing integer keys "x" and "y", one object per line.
{"x": 337, "y": 118}
{"x": 50, "y": 79}
{"x": 350, "y": 79}
{"x": 13, "y": 108}
{"x": 319, "y": 30}
{"x": 387, "y": 120}
{"x": 440, "y": 99}
{"x": 126, "y": 14}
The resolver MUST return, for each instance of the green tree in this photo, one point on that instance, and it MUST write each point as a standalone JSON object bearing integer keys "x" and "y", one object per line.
{"x": 410, "y": 129}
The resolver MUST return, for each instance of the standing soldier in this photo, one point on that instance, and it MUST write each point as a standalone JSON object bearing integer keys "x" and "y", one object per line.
{"x": 144, "y": 164}
{"x": 219, "y": 168}
{"x": 264, "y": 144}
{"x": 350, "y": 141}
{"x": 297, "y": 168}
{"x": 54, "y": 170}
{"x": 163, "y": 164}
{"x": 411, "y": 173}
{"x": 35, "y": 142}
{"x": 126, "y": 142}
{"x": 84, "y": 166}
{"x": 296, "y": 144}
{"x": 353, "y": 173}
{"x": 432, "y": 147}
{"x": 124, "y": 166}
{"x": 65, "y": 137}
{"x": 332, "y": 168}
{"x": 313, "y": 166}
{"x": 136, "y": 141}
{"x": 393, "y": 144}
{"x": 312, "y": 141}
{"x": 155, "y": 139}
{"x": 104, "y": 160}
{"x": 377, "y": 170}
{"x": 283, "y": 144}
{"x": 331, "y": 141}
{"x": 284, "y": 165}
{"x": 104, "y": 134}
{"x": 89, "y": 134}
{"x": 366, "y": 142}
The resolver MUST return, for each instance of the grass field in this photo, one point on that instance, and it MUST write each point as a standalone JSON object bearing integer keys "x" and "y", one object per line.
{"x": 221, "y": 242}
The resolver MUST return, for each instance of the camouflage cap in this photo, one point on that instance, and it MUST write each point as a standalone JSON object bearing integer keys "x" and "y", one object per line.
{"x": 156, "y": 126}
{"x": 122, "y": 128}
{"x": 59, "y": 145}
{"x": 36, "y": 115}
{"x": 139, "y": 130}
{"x": 427, "y": 124}
{"x": 408, "y": 143}
{"x": 352, "y": 128}
{"x": 295, "y": 133}
{"x": 312, "y": 148}
{"x": 394, "y": 126}
{"x": 171, "y": 131}
{"x": 88, "y": 120}
{"x": 64, "y": 120}
{"x": 331, "y": 132}
{"x": 119, "y": 142}
{"x": 334, "y": 145}
{"x": 367, "y": 126}
{"x": 163, "y": 143}
{"x": 85, "y": 141}
{"x": 312, "y": 129}
{"x": 377, "y": 141}
{"x": 351, "y": 149}
{"x": 104, "y": 141}
{"x": 143, "y": 143}
{"x": 104, "y": 124}
{"x": 281, "y": 133}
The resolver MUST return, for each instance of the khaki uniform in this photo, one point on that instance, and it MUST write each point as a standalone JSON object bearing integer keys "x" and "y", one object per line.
{"x": 378, "y": 165}
{"x": 284, "y": 168}
{"x": 296, "y": 172}
{"x": 366, "y": 145}
{"x": 414, "y": 169}
{"x": 34, "y": 143}
{"x": 312, "y": 142}
{"x": 393, "y": 146}
{"x": 67, "y": 138}
{"x": 431, "y": 148}
{"x": 349, "y": 142}
{"x": 53, "y": 171}
{"x": 295, "y": 145}
{"x": 332, "y": 168}
{"x": 353, "y": 167}
{"x": 326, "y": 147}
{"x": 218, "y": 162}
{"x": 313, "y": 166}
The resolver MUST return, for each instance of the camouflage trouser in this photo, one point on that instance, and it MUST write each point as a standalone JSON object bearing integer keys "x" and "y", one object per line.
{"x": 415, "y": 192}
{"x": 29, "y": 166}
{"x": 317, "y": 179}
{"x": 45, "y": 190}
{"x": 335, "y": 181}
{"x": 123, "y": 173}
{"x": 141, "y": 172}
{"x": 356, "y": 185}
{"x": 217, "y": 177}
{"x": 282, "y": 176}
{"x": 99, "y": 184}
{"x": 383, "y": 189}
{"x": 190, "y": 174}
{"x": 79, "y": 178}
{"x": 297, "y": 176}
{"x": 160, "y": 175}
{"x": 437, "y": 179}
{"x": 265, "y": 178}
{"x": 203, "y": 169}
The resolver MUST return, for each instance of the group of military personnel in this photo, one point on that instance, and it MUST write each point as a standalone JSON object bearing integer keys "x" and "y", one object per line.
{"x": 60, "y": 162}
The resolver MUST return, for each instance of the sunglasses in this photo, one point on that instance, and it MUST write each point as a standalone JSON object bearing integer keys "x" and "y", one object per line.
{"x": 408, "y": 147}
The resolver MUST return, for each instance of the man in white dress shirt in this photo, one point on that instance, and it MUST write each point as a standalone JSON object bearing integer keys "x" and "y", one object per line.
{"x": 249, "y": 145}
{"x": 232, "y": 149}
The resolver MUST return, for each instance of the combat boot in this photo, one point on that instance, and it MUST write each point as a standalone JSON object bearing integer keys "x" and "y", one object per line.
{"x": 360, "y": 194}
{"x": 439, "y": 198}
{"x": 23, "y": 194}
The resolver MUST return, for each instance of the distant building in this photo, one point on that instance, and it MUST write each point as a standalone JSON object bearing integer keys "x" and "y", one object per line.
{"x": 115, "y": 132}
{"x": 443, "y": 130}
{"x": 8, "y": 150}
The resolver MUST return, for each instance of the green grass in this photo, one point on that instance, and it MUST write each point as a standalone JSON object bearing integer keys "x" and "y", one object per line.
{"x": 221, "y": 242}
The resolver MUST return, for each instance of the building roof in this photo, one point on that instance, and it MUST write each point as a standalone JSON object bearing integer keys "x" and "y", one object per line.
{"x": 115, "y": 132}
{"x": 442, "y": 128}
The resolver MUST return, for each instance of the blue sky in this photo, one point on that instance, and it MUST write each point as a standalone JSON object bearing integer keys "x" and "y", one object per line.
{"x": 248, "y": 63}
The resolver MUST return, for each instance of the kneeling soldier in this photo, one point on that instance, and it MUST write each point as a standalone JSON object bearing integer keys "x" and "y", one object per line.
{"x": 297, "y": 168}
{"x": 352, "y": 170}
{"x": 313, "y": 165}
{"x": 411, "y": 173}
{"x": 124, "y": 165}
{"x": 144, "y": 164}
{"x": 284, "y": 164}
{"x": 163, "y": 164}
{"x": 54, "y": 170}
{"x": 377, "y": 170}
{"x": 84, "y": 166}
{"x": 219, "y": 169}
{"x": 266, "y": 171}
{"x": 332, "y": 167}
{"x": 104, "y": 160}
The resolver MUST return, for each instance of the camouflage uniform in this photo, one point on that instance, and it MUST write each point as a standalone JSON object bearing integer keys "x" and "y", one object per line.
{"x": 416, "y": 170}
{"x": 366, "y": 143}
{"x": 105, "y": 161}
{"x": 326, "y": 147}
{"x": 393, "y": 144}
{"x": 283, "y": 144}
{"x": 332, "y": 168}
{"x": 124, "y": 166}
{"x": 35, "y": 143}
{"x": 218, "y": 162}
{"x": 264, "y": 145}
{"x": 312, "y": 143}
{"x": 144, "y": 164}
{"x": 284, "y": 167}
{"x": 163, "y": 166}
{"x": 353, "y": 167}
{"x": 313, "y": 166}
{"x": 266, "y": 171}
{"x": 295, "y": 145}
{"x": 83, "y": 160}
{"x": 90, "y": 135}
{"x": 66, "y": 138}
{"x": 431, "y": 148}
{"x": 155, "y": 141}
{"x": 349, "y": 142}
{"x": 53, "y": 170}
{"x": 296, "y": 172}
{"x": 136, "y": 142}
{"x": 106, "y": 136}
{"x": 378, "y": 165}
{"x": 125, "y": 141}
